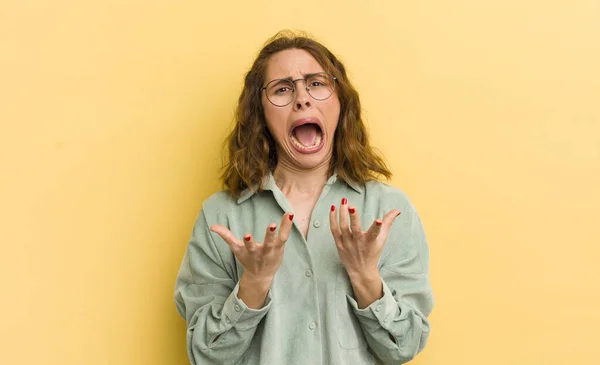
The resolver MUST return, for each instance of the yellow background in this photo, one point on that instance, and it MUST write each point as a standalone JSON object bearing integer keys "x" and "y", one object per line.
{"x": 112, "y": 115}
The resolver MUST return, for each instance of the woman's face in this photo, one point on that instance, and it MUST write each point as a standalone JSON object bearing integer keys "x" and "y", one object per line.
{"x": 304, "y": 129}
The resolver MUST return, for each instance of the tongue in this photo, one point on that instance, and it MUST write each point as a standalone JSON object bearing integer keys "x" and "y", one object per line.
{"x": 306, "y": 134}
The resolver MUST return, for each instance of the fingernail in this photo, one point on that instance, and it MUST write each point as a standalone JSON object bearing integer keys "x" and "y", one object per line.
{"x": 291, "y": 216}
{"x": 273, "y": 228}
{"x": 378, "y": 223}
{"x": 247, "y": 237}
{"x": 333, "y": 208}
{"x": 398, "y": 214}
{"x": 352, "y": 210}
{"x": 344, "y": 201}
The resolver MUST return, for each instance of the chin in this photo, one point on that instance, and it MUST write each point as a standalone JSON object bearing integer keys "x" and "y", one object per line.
{"x": 312, "y": 160}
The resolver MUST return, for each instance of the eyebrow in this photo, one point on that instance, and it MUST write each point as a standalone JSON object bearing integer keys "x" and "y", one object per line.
{"x": 306, "y": 76}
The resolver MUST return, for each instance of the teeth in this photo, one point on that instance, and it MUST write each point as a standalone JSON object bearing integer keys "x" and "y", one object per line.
{"x": 300, "y": 145}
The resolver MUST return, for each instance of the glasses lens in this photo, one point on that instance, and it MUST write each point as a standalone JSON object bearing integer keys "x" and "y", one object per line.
{"x": 320, "y": 86}
{"x": 280, "y": 92}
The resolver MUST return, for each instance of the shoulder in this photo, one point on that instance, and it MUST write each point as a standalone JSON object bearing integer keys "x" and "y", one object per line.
{"x": 218, "y": 201}
{"x": 387, "y": 196}
{"x": 216, "y": 207}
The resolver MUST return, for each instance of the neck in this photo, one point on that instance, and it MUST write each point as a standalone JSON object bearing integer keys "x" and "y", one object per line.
{"x": 306, "y": 183}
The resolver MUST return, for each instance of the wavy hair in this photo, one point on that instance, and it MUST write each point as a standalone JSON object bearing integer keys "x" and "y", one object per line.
{"x": 250, "y": 153}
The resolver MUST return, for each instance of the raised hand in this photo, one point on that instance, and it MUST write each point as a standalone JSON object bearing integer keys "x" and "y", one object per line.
{"x": 260, "y": 260}
{"x": 359, "y": 250}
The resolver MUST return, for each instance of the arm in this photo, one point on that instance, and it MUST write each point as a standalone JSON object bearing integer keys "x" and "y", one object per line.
{"x": 393, "y": 306}
{"x": 220, "y": 325}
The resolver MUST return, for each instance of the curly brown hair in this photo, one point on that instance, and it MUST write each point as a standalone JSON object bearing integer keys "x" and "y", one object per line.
{"x": 250, "y": 153}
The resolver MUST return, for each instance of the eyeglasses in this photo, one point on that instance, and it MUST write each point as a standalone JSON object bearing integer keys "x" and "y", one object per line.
{"x": 280, "y": 92}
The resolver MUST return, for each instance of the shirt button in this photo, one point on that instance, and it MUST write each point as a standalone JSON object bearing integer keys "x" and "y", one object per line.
{"x": 317, "y": 224}
{"x": 378, "y": 308}
{"x": 227, "y": 320}
{"x": 237, "y": 308}
{"x": 308, "y": 273}
{"x": 312, "y": 326}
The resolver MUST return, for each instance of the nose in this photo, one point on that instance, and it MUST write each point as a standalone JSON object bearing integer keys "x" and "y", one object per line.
{"x": 302, "y": 99}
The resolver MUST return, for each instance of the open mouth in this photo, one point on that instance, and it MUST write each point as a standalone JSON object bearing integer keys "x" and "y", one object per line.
{"x": 307, "y": 137}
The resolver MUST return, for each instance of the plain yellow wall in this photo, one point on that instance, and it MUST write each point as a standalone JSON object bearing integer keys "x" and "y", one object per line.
{"x": 112, "y": 115}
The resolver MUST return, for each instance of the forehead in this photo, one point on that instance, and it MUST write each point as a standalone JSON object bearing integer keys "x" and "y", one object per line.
{"x": 293, "y": 63}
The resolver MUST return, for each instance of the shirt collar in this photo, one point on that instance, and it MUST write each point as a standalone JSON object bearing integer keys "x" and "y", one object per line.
{"x": 269, "y": 184}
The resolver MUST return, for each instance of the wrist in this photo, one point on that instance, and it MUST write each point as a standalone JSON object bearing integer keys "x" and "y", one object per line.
{"x": 257, "y": 282}
{"x": 254, "y": 288}
{"x": 253, "y": 291}
{"x": 367, "y": 287}
{"x": 364, "y": 276}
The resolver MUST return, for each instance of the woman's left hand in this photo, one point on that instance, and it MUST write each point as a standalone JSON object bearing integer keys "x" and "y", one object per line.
{"x": 359, "y": 250}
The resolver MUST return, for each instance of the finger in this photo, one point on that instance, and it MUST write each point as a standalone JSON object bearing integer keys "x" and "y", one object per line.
{"x": 334, "y": 225}
{"x": 227, "y": 236}
{"x": 344, "y": 219}
{"x": 249, "y": 242}
{"x": 374, "y": 230}
{"x": 285, "y": 228}
{"x": 354, "y": 221}
{"x": 270, "y": 235}
{"x": 388, "y": 219}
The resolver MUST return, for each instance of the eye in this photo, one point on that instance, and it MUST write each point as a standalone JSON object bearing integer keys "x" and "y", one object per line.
{"x": 318, "y": 81}
{"x": 282, "y": 90}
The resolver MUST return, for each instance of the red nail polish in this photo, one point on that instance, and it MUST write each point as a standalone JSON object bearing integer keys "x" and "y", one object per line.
{"x": 378, "y": 223}
{"x": 333, "y": 208}
{"x": 344, "y": 201}
{"x": 272, "y": 229}
{"x": 352, "y": 210}
{"x": 291, "y": 216}
{"x": 398, "y": 214}
{"x": 247, "y": 237}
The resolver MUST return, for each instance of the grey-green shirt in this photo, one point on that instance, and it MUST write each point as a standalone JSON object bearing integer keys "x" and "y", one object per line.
{"x": 310, "y": 316}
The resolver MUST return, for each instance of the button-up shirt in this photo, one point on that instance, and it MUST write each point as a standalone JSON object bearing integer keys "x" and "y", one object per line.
{"x": 310, "y": 316}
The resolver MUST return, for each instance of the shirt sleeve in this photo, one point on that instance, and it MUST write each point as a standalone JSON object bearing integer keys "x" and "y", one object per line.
{"x": 220, "y": 326}
{"x": 396, "y": 326}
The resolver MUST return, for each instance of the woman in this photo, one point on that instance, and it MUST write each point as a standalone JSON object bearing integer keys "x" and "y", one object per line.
{"x": 304, "y": 258}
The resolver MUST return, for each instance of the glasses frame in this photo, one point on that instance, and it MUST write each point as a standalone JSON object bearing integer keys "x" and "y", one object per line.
{"x": 293, "y": 82}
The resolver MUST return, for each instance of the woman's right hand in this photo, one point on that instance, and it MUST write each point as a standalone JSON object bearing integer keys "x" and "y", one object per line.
{"x": 260, "y": 260}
